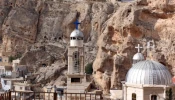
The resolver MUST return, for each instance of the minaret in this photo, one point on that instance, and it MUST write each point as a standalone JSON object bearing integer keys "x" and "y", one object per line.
{"x": 76, "y": 76}
{"x": 138, "y": 56}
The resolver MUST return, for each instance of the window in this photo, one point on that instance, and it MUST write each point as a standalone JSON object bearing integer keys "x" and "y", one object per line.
{"x": 75, "y": 80}
{"x": 133, "y": 96}
{"x": 76, "y": 61}
{"x": 2, "y": 71}
{"x": 27, "y": 88}
{"x": 73, "y": 38}
{"x": 170, "y": 94}
{"x": 153, "y": 97}
{"x": 20, "y": 88}
{"x": 5, "y": 82}
{"x": 79, "y": 38}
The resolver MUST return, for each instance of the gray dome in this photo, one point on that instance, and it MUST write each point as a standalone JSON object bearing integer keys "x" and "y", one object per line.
{"x": 138, "y": 56}
{"x": 149, "y": 72}
{"x": 76, "y": 33}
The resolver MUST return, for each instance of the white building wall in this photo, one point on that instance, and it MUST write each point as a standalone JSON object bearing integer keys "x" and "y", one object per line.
{"x": 159, "y": 91}
{"x": 8, "y": 73}
{"x": 2, "y": 70}
{"x": 19, "y": 88}
{"x": 137, "y": 91}
{"x": 77, "y": 43}
{"x": 6, "y": 86}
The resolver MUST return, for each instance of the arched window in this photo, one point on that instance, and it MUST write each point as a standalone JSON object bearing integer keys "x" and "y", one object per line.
{"x": 73, "y": 38}
{"x": 153, "y": 97}
{"x": 133, "y": 96}
{"x": 79, "y": 38}
{"x": 169, "y": 94}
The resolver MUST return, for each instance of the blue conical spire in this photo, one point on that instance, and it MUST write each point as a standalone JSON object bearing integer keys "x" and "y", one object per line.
{"x": 77, "y": 23}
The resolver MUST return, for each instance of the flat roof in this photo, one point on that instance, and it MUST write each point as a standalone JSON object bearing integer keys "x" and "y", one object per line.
{"x": 13, "y": 79}
{"x": 21, "y": 84}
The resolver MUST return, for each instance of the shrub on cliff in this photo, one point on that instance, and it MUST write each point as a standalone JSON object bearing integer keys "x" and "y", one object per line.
{"x": 88, "y": 68}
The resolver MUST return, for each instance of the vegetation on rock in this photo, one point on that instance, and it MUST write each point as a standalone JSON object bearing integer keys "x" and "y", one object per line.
{"x": 88, "y": 68}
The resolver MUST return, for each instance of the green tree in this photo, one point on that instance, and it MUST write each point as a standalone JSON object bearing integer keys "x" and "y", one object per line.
{"x": 18, "y": 55}
{"x": 88, "y": 68}
{"x": 11, "y": 58}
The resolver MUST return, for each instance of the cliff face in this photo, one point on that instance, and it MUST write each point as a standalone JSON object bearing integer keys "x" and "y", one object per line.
{"x": 130, "y": 24}
{"x": 39, "y": 31}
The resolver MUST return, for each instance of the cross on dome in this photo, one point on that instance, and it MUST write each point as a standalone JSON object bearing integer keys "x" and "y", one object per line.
{"x": 76, "y": 23}
{"x": 139, "y": 47}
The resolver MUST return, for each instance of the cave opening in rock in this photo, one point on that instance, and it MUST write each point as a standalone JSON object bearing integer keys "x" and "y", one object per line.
{"x": 44, "y": 65}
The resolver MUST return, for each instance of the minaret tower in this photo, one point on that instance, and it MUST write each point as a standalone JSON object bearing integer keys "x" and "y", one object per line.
{"x": 76, "y": 72}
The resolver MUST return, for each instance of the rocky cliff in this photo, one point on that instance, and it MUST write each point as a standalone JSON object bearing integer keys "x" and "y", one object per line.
{"x": 39, "y": 30}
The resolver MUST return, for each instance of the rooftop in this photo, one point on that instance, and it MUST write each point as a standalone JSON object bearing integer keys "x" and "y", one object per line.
{"x": 149, "y": 72}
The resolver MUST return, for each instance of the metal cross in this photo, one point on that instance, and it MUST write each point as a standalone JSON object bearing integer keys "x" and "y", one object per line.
{"x": 76, "y": 23}
{"x": 139, "y": 47}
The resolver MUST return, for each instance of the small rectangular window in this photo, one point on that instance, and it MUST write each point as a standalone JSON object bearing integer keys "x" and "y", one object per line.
{"x": 75, "y": 80}
{"x": 74, "y": 38}
{"x": 20, "y": 88}
{"x": 5, "y": 82}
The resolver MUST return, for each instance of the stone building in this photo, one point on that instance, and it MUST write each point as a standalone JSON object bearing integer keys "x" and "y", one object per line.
{"x": 12, "y": 74}
{"x": 5, "y": 70}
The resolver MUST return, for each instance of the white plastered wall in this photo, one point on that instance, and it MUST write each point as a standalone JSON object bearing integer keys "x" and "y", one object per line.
{"x": 137, "y": 91}
{"x": 159, "y": 91}
{"x": 78, "y": 43}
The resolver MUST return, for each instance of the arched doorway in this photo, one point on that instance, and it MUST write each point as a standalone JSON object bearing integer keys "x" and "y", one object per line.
{"x": 134, "y": 96}
{"x": 153, "y": 97}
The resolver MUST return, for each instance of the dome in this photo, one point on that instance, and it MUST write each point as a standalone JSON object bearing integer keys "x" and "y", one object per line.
{"x": 76, "y": 33}
{"x": 149, "y": 72}
{"x": 138, "y": 56}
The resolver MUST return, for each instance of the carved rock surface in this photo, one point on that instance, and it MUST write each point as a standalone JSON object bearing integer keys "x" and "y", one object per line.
{"x": 39, "y": 31}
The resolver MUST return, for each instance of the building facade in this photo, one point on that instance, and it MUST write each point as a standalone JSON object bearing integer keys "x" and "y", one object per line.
{"x": 148, "y": 80}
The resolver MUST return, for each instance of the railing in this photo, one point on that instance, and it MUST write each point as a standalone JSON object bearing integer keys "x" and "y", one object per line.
{"x": 5, "y": 96}
{"x": 18, "y": 95}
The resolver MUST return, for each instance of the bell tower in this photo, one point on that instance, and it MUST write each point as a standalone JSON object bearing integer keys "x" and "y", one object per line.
{"x": 76, "y": 75}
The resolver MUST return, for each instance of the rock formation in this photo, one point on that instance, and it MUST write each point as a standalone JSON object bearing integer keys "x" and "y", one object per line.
{"x": 39, "y": 31}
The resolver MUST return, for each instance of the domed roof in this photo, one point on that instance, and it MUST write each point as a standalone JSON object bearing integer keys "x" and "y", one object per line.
{"x": 76, "y": 33}
{"x": 149, "y": 72}
{"x": 138, "y": 56}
